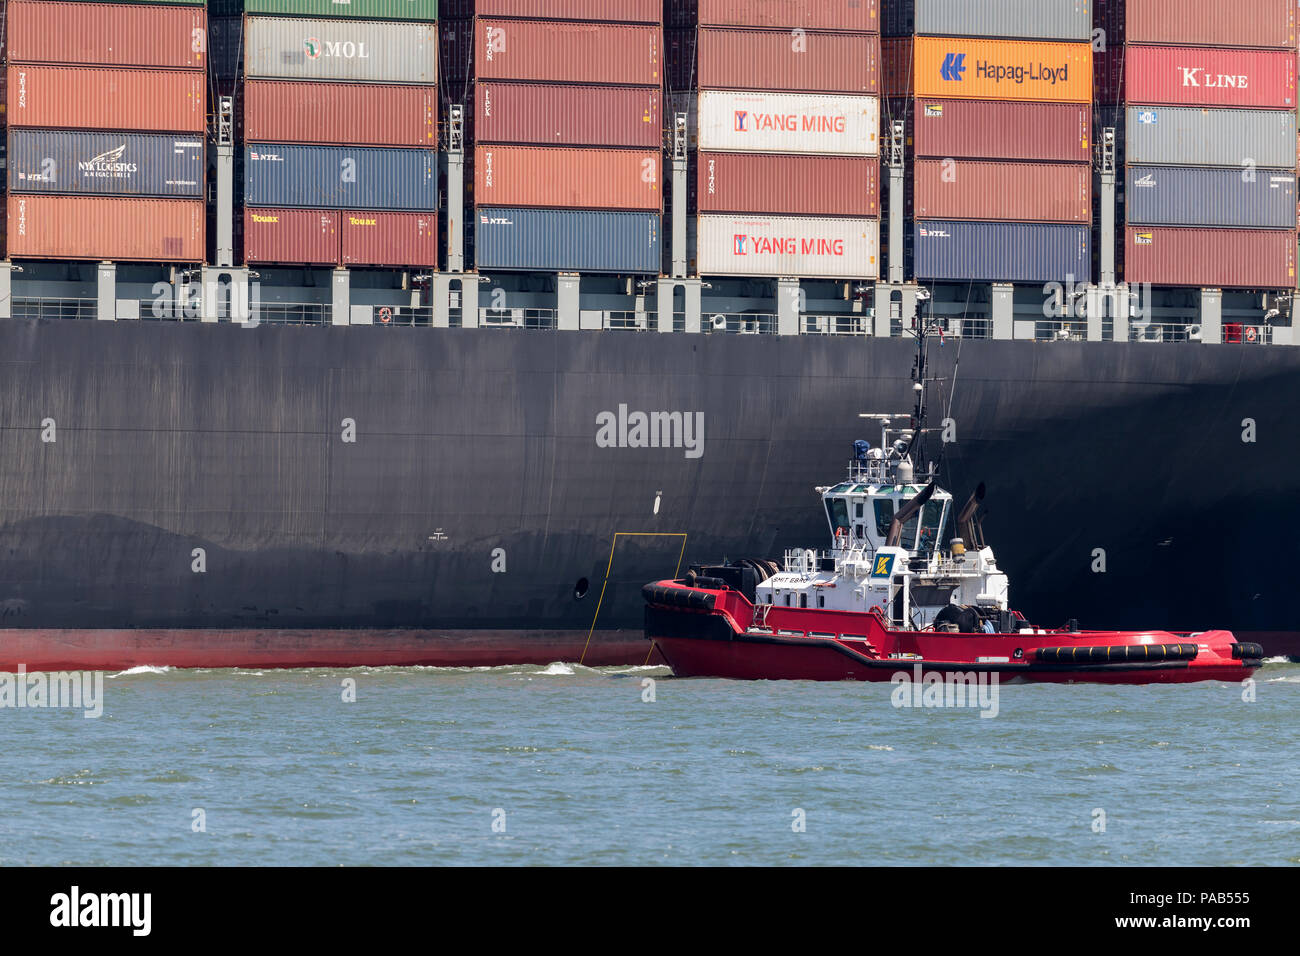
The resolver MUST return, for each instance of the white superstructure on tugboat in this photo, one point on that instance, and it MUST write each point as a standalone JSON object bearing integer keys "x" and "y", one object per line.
{"x": 895, "y": 587}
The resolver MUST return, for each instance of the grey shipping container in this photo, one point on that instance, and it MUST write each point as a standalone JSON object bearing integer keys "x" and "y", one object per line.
{"x": 106, "y": 164}
{"x": 341, "y": 177}
{"x": 566, "y": 240}
{"x": 360, "y": 51}
{"x": 1178, "y": 136}
{"x": 1200, "y": 196}
{"x": 998, "y": 19}
{"x": 1002, "y": 251}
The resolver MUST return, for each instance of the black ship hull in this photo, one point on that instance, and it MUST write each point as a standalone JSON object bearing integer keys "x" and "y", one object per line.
{"x": 214, "y": 495}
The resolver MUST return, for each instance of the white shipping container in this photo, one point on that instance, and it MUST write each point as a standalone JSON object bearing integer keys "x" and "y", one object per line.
{"x": 788, "y": 246}
{"x": 750, "y": 122}
{"x": 361, "y": 51}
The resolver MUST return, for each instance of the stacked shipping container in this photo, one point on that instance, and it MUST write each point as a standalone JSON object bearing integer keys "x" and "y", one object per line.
{"x": 1002, "y": 177}
{"x": 786, "y": 98}
{"x": 106, "y": 108}
{"x": 567, "y": 130}
{"x": 1209, "y": 90}
{"x": 340, "y": 120}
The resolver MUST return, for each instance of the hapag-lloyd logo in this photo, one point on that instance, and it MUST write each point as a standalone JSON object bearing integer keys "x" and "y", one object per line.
{"x": 315, "y": 48}
{"x": 745, "y": 245}
{"x": 1199, "y": 77}
{"x": 626, "y": 429}
{"x": 748, "y": 121}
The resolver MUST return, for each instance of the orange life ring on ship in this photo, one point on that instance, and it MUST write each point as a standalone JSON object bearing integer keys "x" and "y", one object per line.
{"x": 385, "y": 315}
{"x": 1251, "y": 333}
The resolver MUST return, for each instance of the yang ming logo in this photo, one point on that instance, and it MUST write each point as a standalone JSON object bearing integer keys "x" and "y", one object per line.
{"x": 954, "y": 65}
{"x": 742, "y": 117}
{"x": 740, "y": 245}
{"x": 311, "y": 46}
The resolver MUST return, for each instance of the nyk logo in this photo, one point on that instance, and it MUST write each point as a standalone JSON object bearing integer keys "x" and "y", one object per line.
{"x": 1230, "y": 81}
{"x": 108, "y": 164}
{"x": 954, "y": 65}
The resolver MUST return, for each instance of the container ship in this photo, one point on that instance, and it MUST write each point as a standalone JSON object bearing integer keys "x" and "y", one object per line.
{"x": 398, "y": 332}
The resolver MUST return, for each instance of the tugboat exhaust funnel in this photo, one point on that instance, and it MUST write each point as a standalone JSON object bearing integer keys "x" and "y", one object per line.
{"x": 906, "y": 513}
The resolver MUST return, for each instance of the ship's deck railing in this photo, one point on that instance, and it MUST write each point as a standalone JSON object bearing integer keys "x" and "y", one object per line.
{"x": 1061, "y": 330}
{"x": 805, "y": 560}
{"x": 739, "y": 323}
{"x": 851, "y": 323}
{"x": 37, "y": 307}
{"x": 1164, "y": 332}
{"x": 1237, "y": 333}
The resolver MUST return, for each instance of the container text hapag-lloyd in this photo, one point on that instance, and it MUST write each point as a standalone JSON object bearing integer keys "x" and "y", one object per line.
{"x": 1033, "y": 73}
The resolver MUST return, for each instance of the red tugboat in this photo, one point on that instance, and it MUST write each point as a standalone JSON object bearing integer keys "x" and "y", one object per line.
{"x": 889, "y": 596}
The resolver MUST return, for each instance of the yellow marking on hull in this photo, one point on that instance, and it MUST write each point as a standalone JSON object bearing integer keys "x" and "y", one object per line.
{"x": 610, "y": 566}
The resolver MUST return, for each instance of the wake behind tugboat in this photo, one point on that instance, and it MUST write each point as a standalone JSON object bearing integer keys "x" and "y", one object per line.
{"x": 890, "y": 595}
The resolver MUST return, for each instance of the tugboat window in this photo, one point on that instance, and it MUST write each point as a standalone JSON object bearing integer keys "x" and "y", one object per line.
{"x": 838, "y": 511}
{"x": 803, "y": 599}
{"x": 884, "y": 515}
{"x": 931, "y": 525}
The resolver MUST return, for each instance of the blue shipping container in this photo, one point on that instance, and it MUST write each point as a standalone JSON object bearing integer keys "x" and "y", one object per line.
{"x": 106, "y": 164}
{"x": 1193, "y": 196}
{"x": 567, "y": 240}
{"x": 1002, "y": 251}
{"x": 341, "y": 177}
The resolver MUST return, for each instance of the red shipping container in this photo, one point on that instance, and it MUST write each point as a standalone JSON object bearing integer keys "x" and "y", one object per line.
{"x": 297, "y": 236}
{"x": 1211, "y": 258}
{"x": 125, "y": 230}
{"x": 770, "y": 185}
{"x": 620, "y": 54}
{"x": 1189, "y": 76}
{"x": 615, "y": 11}
{"x": 343, "y": 114}
{"x": 390, "y": 239}
{"x": 108, "y": 34}
{"x": 850, "y": 16}
{"x": 989, "y": 129}
{"x": 1241, "y": 23}
{"x": 83, "y": 97}
{"x": 567, "y": 115}
{"x": 807, "y": 61}
{"x": 1007, "y": 192}
{"x": 567, "y": 178}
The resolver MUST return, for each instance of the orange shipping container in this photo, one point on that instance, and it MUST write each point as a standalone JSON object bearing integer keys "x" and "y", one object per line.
{"x": 615, "y": 53}
{"x": 108, "y": 34}
{"x": 291, "y": 236}
{"x": 83, "y": 97}
{"x": 390, "y": 239}
{"x": 567, "y": 178}
{"x": 341, "y": 114}
{"x": 803, "y": 61}
{"x": 125, "y": 230}
{"x": 1022, "y": 192}
{"x": 1003, "y": 70}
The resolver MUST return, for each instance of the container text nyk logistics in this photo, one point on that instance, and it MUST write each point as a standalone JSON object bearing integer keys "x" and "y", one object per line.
{"x": 1003, "y": 70}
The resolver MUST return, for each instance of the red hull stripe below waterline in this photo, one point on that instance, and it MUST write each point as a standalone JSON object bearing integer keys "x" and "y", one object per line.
{"x": 38, "y": 649}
